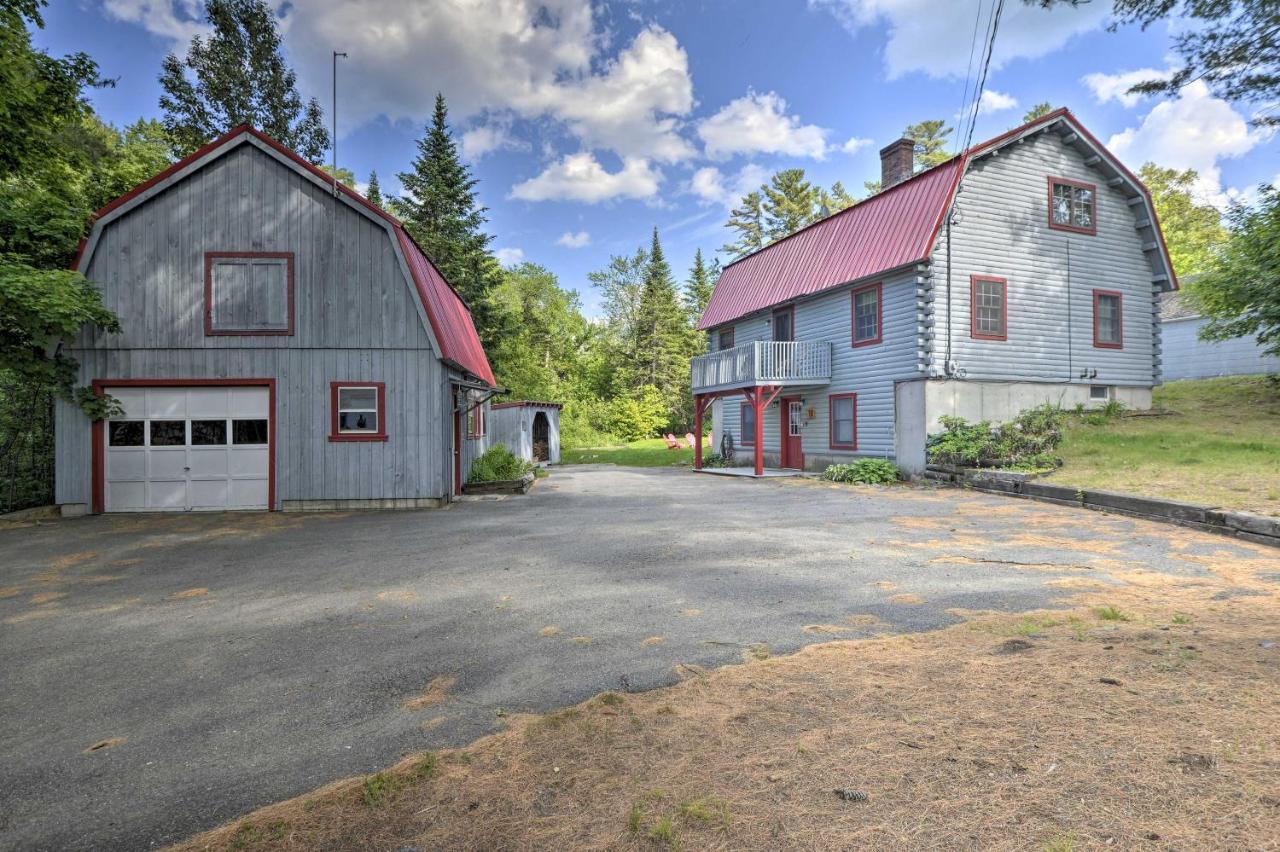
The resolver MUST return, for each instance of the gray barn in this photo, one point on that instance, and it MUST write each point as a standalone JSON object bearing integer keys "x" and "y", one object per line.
{"x": 285, "y": 345}
{"x": 531, "y": 430}
{"x": 1186, "y": 356}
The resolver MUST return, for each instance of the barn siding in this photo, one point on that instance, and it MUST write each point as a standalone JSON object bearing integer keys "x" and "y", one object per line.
{"x": 1186, "y": 356}
{"x": 357, "y": 318}
{"x": 1004, "y": 232}
{"x": 868, "y": 371}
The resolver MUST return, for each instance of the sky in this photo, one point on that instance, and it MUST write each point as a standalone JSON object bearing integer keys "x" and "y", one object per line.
{"x": 590, "y": 123}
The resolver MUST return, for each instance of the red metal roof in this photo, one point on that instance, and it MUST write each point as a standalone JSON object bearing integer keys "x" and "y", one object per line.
{"x": 892, "y": 229}
{"x": 450, "y": 319}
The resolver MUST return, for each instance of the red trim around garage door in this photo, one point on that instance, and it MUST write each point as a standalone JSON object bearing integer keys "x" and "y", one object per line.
{"x": 99, "y": 434}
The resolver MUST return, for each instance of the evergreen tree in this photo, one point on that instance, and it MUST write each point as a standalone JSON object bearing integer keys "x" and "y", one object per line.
{"x": 930, "y": 137}
{"x": 441, "y": 213}
{"x": 238, "y": 75}
{"x": 790, "y": 203}
{"x": 374, "y": 192}
{"x": 662, "y": 336}
{"x": 697, "y": 290}
{"x": 835, "y": 200}
{"x": 872, "y": 187}
{"x": 748, "y": 220}
{"x": 1043, "y": 108}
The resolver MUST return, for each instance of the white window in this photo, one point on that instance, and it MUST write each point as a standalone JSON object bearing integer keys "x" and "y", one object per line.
{"x": 1099, "y": 393}
{"x": 844, "y": 428}
{"x": 359, "y": 411}
{"x": 795, "y": 415}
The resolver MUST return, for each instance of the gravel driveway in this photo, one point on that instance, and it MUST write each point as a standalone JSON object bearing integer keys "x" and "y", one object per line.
{"x": 221, "y": 662}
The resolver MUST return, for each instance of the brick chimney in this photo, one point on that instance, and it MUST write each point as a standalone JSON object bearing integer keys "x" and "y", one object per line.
{"x": 896, "y": 162}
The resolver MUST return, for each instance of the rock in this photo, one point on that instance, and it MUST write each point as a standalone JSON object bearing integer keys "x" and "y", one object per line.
{"x": 1013, "y": 646}
{"x": 1109, "y": 681}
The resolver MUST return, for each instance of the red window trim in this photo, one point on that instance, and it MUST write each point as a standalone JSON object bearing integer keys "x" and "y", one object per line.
{"x": 853, "y": 315}
{"x": 720, "y": 337}
{"x": 1093, "y": 229}
{"x": 831, "y": 421}
{"x": 98, "y": 455}
{"x": 476, "y": 425}
{"x": 1119, "y": 319}
{"x": 973, "y": 307}
{"x": 210, "y": 331}
{"x": 789, "y": 309}
{"x": 335, "y": 435}
{"x": 745, "y": 439}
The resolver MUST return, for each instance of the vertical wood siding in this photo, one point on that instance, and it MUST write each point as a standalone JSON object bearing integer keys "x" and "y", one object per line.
{"x": 1051, "y": 274}
{"x": 356, "y": 320}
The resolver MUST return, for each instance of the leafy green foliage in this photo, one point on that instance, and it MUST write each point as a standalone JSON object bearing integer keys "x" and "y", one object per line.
{"x": 930, "y": 137}
{"x": 639, "y": 415}
{"x": 1042, "y": 108}
{"x": 1027, "y": 441}
{"x": 497, "y": 464}
{"x": 786, "y": 203}
{"x": 237, "y": 75}
{"x": 1241, "y": 291}
{"x": 865, "y": 471}
{"x": 1193, "y": 232}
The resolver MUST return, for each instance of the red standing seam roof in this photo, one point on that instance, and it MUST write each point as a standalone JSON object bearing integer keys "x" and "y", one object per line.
{"x": 890, "y": 230}
{"x": 449, "y": 316}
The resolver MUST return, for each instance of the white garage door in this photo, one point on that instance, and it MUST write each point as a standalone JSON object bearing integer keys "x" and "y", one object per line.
{"x": 183, "y": 449}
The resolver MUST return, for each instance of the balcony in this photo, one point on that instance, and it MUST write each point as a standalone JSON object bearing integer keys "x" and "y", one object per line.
{"x": 763, "y": 363}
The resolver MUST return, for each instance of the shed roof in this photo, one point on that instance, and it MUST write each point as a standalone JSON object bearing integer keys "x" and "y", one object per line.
{"x": 892, "y": 229}
{"x": 451, "y": 323}
{"x": 526, "y": 403}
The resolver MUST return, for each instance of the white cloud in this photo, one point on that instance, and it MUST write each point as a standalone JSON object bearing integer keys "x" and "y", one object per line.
{"x": 1193, "y": 131}
{"x": 1106, "y": 87}
{"x": 759, "y": 124}
{"x": 509, "y": 256}
{"x": 571, "y": 240}
{"x": 934, "y": 38}
{"x": 993, "y": 101}
{"x": 712, "y": 186}
{"x": 854, "y": 145}
{"x": 179, "y": 20}
{"x": 580, "y": 177}
{"x": 537, "y": 59}
{"x": 483, "y": 139}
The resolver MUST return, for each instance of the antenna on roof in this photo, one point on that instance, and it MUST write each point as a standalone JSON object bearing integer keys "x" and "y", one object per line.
{"x": 336, "y": 54}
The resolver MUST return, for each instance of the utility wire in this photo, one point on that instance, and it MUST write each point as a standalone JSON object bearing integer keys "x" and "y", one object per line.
{"x": 963, "y": 112}
{"x": 986, "y": 66}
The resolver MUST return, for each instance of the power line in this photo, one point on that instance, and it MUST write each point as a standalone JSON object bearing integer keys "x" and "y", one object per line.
{"x": 962, "y": 113}
{"x": 986, "y": 66}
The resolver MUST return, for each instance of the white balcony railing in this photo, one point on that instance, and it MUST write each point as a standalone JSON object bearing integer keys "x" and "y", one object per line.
{"x": 763, "y": 362}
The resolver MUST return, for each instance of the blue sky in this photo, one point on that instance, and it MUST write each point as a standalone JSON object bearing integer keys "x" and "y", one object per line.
{"x": 590, "y": 123}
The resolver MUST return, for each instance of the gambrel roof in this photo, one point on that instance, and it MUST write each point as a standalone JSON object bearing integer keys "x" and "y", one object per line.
{"x": 448, "y": 319}
{"x": 891, "y": 230}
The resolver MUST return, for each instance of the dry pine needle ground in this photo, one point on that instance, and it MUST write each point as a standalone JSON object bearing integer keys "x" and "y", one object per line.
{"x": 1144, "y": 716}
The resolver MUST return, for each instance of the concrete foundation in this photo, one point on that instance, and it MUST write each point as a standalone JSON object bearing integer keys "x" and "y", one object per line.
{"x": 1002, "y": 401}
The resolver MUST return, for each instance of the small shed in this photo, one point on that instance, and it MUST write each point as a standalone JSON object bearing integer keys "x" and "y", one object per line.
{"x": 531, "y": 430}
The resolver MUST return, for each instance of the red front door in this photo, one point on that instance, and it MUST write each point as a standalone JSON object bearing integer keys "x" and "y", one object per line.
{"x": 792, "y": 419}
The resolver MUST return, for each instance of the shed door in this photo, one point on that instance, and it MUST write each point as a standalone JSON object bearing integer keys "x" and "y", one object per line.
{"x": 184, "y": 449}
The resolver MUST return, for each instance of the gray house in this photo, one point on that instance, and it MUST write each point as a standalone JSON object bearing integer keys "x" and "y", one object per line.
{"x": 1186, "y": 356}
{"x": 285, "y": 345}
{"x": 1025, "y": 270}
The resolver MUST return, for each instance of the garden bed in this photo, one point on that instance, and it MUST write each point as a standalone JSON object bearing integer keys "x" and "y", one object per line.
{"x": 501, "y": 486}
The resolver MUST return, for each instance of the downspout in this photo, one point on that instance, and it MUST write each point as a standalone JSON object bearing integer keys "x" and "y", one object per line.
{"x": 1071, "y": 337}
{"x": 946, "y": 365}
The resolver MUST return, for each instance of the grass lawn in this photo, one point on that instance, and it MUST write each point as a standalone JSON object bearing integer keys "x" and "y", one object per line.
{"x": 1222, "y": 446}
{"x": 649, "y": 452}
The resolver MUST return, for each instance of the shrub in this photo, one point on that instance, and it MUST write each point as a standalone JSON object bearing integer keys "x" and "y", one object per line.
{"x": 1028, "y": 440}
{"x": 714, "y": 460}
{"x": 586, "y": 423}
{"x": 497, "y": 464}
{"x": 640, "y": 415}
{"x": 866, "y": 471}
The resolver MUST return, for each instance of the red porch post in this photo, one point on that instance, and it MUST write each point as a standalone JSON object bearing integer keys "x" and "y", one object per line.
{"x": 697, "y": 431}
{"x": 758, "y": 402}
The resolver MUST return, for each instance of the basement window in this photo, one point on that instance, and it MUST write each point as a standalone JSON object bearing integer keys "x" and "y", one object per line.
{"x": 358, "y": 411}
{"x": 1099, "y": 393}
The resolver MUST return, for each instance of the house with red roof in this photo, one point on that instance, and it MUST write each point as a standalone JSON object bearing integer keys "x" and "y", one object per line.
{"x": 1025, "y": 270}
{"x": 285, "y": 345}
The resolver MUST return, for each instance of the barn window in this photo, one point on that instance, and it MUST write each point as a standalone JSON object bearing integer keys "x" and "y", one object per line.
{"x": 726, "y": 339}
{"x": 1071, "y": 205}
{"x": 475, "y": 419}
{"x": 248, "y": 293}
{"x": 747, "y": 417}
{"x": 1108, "y": 319}
{"x": 988, "y": 308}
{"x": 844, "y": 421}
{"x": 867, "y": 313}
{"x": 358, "y": 411}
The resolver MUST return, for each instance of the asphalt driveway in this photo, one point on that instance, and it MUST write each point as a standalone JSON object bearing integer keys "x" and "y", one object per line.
{"x": 222, "y": 662}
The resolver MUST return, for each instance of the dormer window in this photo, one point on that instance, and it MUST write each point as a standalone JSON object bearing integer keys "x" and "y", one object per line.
{"x": 1072, "y": 206}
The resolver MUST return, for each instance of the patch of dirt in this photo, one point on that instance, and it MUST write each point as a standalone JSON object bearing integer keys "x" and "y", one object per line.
{"x": 189, "y": 593}
{"x": 398, "y": 596}
{"x": 102, "y": 745}
{"x": 885, "y": 584}
{"x": 10, "y": 592}
{"x": 906, "y": 599}
{"x": 864, "y": 620}
{"x": 549, "y": 631}
{"x": 437, "y": 690}
{"x": 1031, "y": 566}
{"x": 653, "y": 641}
{"x": 46, "y": 597}
{"x": 581, "y": 640}
{"x": 58, "y": 565}
{"x": 827, "y": 628}
{"x": 691, "y": 612}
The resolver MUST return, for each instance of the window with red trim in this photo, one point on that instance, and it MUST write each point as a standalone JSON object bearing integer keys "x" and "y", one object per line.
{"x": 1108, "y": 319}
{"x": 358, "y": 411}
{"x": 1072, "y": 206}
{"x": 868, "y": 313}
{"x": 988, "y": 308}
{"x": 747, "y": 418}
{"x": 475, "y": 420}
{"x": 843, "y": 430}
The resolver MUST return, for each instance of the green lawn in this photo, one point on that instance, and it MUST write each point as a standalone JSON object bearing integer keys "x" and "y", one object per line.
{"x": 649, "y": 452}
{"x": 1222, "y": 446}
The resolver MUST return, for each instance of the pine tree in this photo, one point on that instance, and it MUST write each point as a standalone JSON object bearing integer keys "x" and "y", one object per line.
{"x": 835, "y": 200}
{"x": 930, "y": 137}
{"x": 662, "y": 335}
{"x": 697, "y": 290}
{"x": 238, "y": 75}
{"x": 374, "y": 192}
{"x": 790, "y": 203}
{"x": 1043, "y": 108}
{"x": 748, "y": 220}
{"x": 441, "y": 213}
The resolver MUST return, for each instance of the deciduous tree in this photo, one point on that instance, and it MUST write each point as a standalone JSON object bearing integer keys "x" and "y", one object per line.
{"x": 1193, "y": 231}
